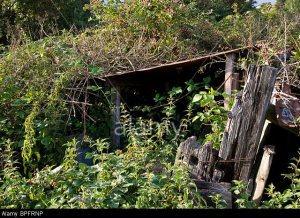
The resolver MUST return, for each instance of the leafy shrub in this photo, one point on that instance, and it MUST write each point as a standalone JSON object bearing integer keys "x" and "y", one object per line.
{"x": 37, "y": 91}
{"x": 211, "y": 113}
{"x": 38, "y": 117}
{"x": 143, "y": 176}
{"x": 268, "y": 27}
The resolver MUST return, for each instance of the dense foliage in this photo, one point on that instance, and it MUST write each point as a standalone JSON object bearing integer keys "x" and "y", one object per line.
{"x": 39, "y": 18}
{"x": 143, "y": 176}
{"x": 53, "y": 101}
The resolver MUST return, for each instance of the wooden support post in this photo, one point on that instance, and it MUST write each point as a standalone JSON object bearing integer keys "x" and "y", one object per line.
{"x": 231, "y": 78}
{"x": 116, "y": 131}
{"x": 246, "y": 120}
{"x": 235, "y": 81}
{"x": 263, "y": 173}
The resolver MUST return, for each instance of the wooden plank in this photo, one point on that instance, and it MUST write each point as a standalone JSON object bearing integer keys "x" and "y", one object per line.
{"x": 116, "y": 131}
{"x": 256, "y": 99}
{"x": 232, "y": 127}
{"x": 217, "y": 175}
{"x": 263, "y": 173}
{"x": 246, "y": 119}
{"x": 229, "y": 70}
{"x": 264, "y": 134}
{"x": 265, "y": 131}
{"x": 235, "y": 81}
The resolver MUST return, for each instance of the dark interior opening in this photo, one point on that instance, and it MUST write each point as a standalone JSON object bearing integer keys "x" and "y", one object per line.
{"x": 193, "y": 160}
{"x": 140, "y": 89}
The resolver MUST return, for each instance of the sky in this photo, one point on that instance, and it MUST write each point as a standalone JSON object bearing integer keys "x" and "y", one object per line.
{"x": 264, "y": 1}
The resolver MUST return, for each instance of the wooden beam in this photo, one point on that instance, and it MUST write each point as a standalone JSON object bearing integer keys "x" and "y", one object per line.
{"x": 116, "y": 127}
{"x": 231, "y": 78}
{"x": 246, "y": 120}
{"x": 263, "y": 173}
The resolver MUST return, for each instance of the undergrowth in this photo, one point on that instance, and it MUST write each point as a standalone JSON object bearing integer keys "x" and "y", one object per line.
{"x": 53, "y": 100}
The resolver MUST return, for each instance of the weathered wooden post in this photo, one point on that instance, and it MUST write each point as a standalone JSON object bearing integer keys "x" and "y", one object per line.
{"x": 231, "y": 78}
{"x": 200, "y": 161}
{"x": 246, "y": 119}
{"x": 263, "y": 173}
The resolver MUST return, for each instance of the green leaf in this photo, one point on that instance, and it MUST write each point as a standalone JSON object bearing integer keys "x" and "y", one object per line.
{"x": 195, "y": 118}
{"x": 158, "y": 98}
{"x": 206, "y": 80}
{"x": 46, "y": 141}
{"x": 94, "y": 88}
{"x": 155, "y": 181}
{"x": 96, "y": 70}
{"x": 18, "y": 102}
{"x": 176, "y": 91}
{"x": 217, "y": 111}
{"x": 197, "y": 98}
{"x": 82, "y": 166}
{"x": 128, "y": 184}
{"x": 89, "y": 155}
{"x": 236, "y": 192}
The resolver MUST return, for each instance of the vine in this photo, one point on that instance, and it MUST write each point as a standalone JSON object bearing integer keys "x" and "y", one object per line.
{"x": 30, "y": 141}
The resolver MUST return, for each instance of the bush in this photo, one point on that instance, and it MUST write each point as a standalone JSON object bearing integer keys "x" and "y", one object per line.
{"x": 143, "y": 176}
{"x": 38, "y": 94}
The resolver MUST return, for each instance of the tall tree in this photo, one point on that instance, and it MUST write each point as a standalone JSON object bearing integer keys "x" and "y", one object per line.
{"x": 40, "y": 18}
